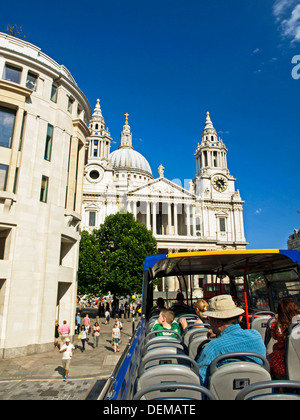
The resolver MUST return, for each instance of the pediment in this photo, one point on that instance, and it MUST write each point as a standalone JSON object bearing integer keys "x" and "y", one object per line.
{"x": 92, "y": 207}
{"x": 162, "y": 188}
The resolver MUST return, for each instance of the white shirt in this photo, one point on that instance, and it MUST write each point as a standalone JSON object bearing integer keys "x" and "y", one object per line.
{"x": 69, "y": 352}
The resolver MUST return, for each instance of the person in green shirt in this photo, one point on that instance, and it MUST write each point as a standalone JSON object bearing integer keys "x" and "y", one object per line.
{"x": 167, "y": 324}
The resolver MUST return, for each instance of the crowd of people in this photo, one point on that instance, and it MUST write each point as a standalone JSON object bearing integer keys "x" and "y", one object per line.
{"x": 84, "y": 327}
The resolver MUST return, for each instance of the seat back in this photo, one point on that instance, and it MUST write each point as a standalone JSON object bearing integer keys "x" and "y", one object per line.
{"x": 149, "y": 359}
{"x": 188, "y": 316}
{"x": 167, "y": 391}
{"x": 227, "y": 380}
{"x": 191, "y": 332}
{"x": 288, "y": 385}
{"x": 292, "y": 353}
{"x": 269, "y": 340}
{"x": 259, "y": 322}
{"x": 162, "y": 342}
{"x": 196, "y": 344}
{"x": 163, "y": 333}
{"x": 170, "y": 374}
{"x": 156, "y": 358}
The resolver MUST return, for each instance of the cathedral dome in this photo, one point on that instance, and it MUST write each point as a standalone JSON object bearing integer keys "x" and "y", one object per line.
{"x": 128, "y": 159}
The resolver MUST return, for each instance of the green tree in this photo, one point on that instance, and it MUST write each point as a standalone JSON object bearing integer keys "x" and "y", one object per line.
{"x": 89, "y": 261}
{"x": 118, "y": 250}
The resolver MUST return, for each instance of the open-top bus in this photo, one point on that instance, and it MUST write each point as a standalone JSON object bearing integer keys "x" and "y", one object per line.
{"x": 164, "y": 367}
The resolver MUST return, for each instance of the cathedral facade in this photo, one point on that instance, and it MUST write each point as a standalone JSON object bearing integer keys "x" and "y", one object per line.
{"x": 207, "y": 216}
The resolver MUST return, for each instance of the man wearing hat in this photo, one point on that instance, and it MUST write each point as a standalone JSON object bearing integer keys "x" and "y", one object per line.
{"x": 67, "y": 351}
{"x": 223, "y": 317}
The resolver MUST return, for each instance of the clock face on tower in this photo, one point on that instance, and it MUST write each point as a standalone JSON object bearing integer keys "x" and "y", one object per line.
{"x": 219, "y": 183}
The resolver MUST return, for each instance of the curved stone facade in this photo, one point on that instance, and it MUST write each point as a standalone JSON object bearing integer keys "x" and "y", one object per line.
{"x": 43, "y": 132}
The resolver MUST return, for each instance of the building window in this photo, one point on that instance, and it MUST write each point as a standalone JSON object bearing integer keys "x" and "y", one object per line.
{"x": 67, "y": 250}
{"x": 70, "y": 104}
{"x": 53, "y": 96}
{"x": 22, "y": 130}
{"x": 92, "y": 218}
{"x": 31, "y": 81}
{"x": 12, "y": 74}
{"x": 3, "y": 176}
{"x": 16, "y": 180}
{"x": 48, "y": 145}
{"x": 222, "y": 224}
{"x": 7, "y": 123}
{"x": 4, "y": 243}
{"x": 44, "y": 189}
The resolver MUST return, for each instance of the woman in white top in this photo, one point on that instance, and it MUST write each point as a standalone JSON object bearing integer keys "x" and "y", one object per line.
{"x": 83, "y": 337}
{"x": 116, "y": 337}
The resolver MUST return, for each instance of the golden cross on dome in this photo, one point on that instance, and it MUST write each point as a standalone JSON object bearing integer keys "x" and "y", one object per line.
{"x": 126, "y": 120}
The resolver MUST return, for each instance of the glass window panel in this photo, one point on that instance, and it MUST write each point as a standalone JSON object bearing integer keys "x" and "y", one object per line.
{"x": 12, "y": 74}
{"x": 3, "y": 176}
{"x": 70, "y": 104}
{"x": 48, "y": 145}
{"x": 222, "y": 225}
{"x": 31, "y": 81}
{"x": 92, "y": 218}
{"x": 44, "y": 189}
{"x": 7, "y": 122}
{"x": 54, "y": 93}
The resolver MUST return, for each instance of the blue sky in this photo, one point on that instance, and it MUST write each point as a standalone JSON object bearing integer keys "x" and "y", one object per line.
{"x": 168, "y": 62}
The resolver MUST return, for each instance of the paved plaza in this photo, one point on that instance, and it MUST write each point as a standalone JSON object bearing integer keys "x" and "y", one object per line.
{"x": 40, "y": 376}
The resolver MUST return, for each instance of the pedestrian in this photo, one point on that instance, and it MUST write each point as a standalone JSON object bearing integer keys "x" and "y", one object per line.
{"x": 116, "y": 337}
{"x": 86, "y": 322}
{"x": 56, "y": 334}
{"x": 77, "y": 322}
{"x": 122, "y": 310}
{"x": 96, "y": 334}
{"x": 107, "y": 317}
{"x": 83, "y": 337}
{"x": 67, "y": 351}
{"x": 64, "y": 332}
{"x": 120, "y": 326}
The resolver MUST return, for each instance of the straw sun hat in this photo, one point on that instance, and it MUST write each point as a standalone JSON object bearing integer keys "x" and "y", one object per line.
{"x": 223, "y": 307}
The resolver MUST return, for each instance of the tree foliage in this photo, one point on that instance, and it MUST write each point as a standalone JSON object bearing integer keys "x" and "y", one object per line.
{"x": 112, "y": 257}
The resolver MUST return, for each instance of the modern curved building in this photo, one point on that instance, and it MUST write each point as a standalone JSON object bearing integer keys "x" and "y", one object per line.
{"x": 43, "y": 132}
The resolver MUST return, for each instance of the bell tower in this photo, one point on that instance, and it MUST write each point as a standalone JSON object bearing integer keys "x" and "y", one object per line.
{"x": 211, "y": 154}
{"x": 220, "y": 206}
{"x": 99, "y": 140}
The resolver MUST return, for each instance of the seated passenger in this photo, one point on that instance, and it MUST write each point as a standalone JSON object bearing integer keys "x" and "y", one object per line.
{"x": 286, "y": 311}
{"x": 166, "y": 323}
{"x": 223, "y": 316}
{"x": 160, "y": 304}
{"x": 200, "y": 307}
